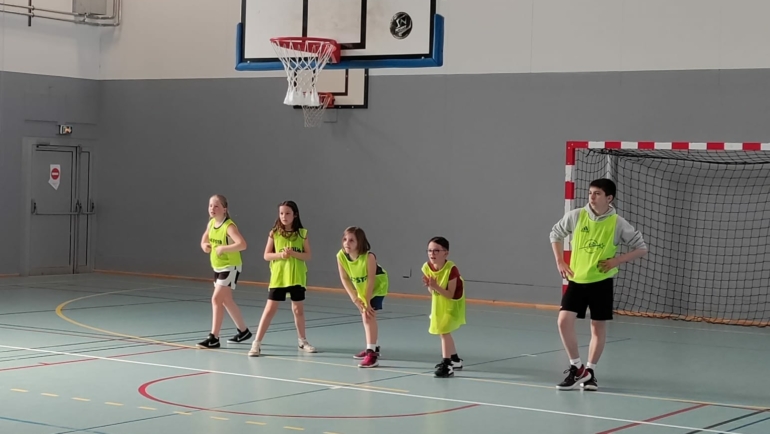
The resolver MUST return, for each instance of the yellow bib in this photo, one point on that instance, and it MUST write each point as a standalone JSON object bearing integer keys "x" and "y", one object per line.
{"x": 446, "y": 315}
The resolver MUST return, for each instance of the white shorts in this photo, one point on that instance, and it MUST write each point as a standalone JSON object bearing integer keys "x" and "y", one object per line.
{"x": 227, "y": 276}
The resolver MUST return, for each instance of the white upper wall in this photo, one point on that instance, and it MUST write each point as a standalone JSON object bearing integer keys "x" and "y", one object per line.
{"x": 48, "y": 47}
{"x": 161, "y": 39}
{"x": 196, "y": 38}
{"x": 633, "y": 35}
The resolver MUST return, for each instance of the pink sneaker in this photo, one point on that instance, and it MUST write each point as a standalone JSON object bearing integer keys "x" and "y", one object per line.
{"x": 362, "y": 354}
{"x": 370, "y": 360}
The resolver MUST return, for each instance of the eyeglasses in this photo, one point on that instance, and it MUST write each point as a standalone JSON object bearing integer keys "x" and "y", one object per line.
{"x": 436, "y": 251}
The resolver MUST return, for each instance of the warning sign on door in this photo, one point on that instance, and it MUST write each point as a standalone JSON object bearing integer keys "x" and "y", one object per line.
{"x": 54, "y": 176}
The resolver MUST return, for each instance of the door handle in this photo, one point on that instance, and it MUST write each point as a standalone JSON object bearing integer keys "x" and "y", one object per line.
{"x": 91, "y": 210}
{"x": 36, "y": 212}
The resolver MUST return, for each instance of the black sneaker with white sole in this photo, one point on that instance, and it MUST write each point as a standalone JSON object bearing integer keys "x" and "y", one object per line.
{"x": 210, "y": 342}
{"x": 575, "y": 377}
{"x": 593, "y": 383}
{"x": 444, "y": 369}
{"x": 455, "y": 364}
{"x": 240, "y": 337}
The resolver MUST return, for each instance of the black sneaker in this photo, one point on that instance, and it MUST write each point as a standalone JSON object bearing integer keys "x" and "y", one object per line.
{"x": 593, "y": 383}
{"x": 575, "y": 377}
{"x": 444, "y": 369}
{"x": 240, "y": 336}
{"x": 210, "y": 342}
{"x": 455, "y": 365}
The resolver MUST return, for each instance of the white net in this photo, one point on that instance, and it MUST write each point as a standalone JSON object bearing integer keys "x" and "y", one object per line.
{"x": 315, "y": 114}
{"x": 303, "y": 59}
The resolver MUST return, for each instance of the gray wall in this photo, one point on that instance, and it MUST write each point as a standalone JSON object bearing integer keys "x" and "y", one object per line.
{"x": 478, "y": 159}
{"x": 32, "y": 106}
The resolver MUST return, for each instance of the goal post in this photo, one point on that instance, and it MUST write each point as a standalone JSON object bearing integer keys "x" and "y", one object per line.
{"x": 704, "y": 212}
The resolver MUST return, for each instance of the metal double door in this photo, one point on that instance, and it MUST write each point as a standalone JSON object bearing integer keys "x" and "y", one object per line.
{"x": 60, "y": 209}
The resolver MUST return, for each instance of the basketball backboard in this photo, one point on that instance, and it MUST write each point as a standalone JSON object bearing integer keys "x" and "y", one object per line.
{"x": 371, "y": 33}
{"x": 350, "y": 87}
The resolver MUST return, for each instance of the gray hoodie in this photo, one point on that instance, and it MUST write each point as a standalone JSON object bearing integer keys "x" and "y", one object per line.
{"x": 624, "y": 232}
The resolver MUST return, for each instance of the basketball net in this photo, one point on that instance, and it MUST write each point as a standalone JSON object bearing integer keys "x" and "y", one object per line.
{"x": 304, "y": 59}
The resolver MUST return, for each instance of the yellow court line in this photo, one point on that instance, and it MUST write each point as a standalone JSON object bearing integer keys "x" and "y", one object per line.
{"x": 685, "y": 401}
{"x": 480, "y": 301}
{"x": 294, "y": 428}
{"x": 250, "y": 422}
{"x": 219, "y": 418}
{"x": 116, "y": 404}
{"x": 81, "y": 399}
{"x": 19, "y": 390}
{"x": 336, "y": 383}
{"x": 183, "y": 413}
{"x": 52, "y": 395}
{"x": 60, "y": 312}
{"x": 148, "y": 408}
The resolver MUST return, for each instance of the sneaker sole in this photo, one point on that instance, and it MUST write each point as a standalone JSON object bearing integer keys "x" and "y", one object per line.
{"x": 578, "y": 383}
{"x": 376, "y": 364}
{"x": 590, "y": 388}
{"x": 307, "y": 351}
{"x": 203, "y": 347}
{"x": 363, "y": 357}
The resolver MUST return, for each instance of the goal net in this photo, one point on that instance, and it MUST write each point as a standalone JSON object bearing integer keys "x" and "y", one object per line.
{"x": 704, "y": 212}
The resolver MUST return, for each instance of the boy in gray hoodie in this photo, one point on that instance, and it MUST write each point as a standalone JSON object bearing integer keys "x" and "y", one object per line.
{"x": 597, "y": 230}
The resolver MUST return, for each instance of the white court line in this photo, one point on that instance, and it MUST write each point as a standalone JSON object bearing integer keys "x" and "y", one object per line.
{"x": 383, "y": 392}
{"x": 501, "y": 309}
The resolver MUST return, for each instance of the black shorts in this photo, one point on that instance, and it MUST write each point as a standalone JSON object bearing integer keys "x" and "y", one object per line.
{"x": 597, "y": 297}
{"x": 296, "y": 292}
{"x": 376, "y": 302}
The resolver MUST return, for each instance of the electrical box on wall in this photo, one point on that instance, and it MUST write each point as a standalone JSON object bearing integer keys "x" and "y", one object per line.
{"x": 65, "y": 130}
{"x": 90, "y": 7}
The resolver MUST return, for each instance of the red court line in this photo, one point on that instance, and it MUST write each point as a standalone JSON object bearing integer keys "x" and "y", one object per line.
{"x": 652, "y": 419}
{"x": 41, "y": 365}
{"x": 143, "y": 391}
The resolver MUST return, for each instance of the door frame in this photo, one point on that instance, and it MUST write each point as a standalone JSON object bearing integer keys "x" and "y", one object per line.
{"x": 29, "y": 145}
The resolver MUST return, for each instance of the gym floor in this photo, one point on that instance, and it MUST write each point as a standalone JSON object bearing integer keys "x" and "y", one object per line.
{"x": 116, "y": 354}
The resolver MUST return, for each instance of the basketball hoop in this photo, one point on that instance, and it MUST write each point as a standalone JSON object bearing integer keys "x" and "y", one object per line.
{"x": 303, "y": 59}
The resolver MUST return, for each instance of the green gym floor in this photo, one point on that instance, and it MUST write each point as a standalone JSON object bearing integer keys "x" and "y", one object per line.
{"x": 115, "y": 354}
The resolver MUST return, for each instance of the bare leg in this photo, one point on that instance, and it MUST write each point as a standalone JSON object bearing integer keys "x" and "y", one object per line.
{"x": 298, "y": 308}
{"x": 221, "y": 293}
{"x": 568, "y": 334}
{"x": 447, "y": 346}
{"x": 598, "y": 339}
{"x": 370, "y": 328}
{"x": 232, "y": 308}
{"x": 267, "y": 316}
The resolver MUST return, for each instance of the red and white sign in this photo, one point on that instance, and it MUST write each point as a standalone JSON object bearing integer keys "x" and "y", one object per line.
{"x": 54, "y": 176}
